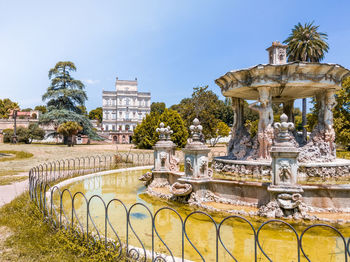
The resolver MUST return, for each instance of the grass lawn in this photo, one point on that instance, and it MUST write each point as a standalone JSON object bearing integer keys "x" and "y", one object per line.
{"x": 18, "y": 159}
{"x": 24, "y": 236}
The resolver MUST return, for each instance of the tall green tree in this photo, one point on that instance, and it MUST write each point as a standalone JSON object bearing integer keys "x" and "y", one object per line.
{"x": 306, "y": 44}
{"x": 65, "y": 99}
{"x": 65, "y": 92}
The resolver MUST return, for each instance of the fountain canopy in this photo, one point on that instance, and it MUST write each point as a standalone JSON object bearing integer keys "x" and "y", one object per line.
{"x": 287, "y": 81}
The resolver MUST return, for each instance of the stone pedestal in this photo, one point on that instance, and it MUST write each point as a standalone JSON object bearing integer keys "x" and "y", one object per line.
{"x": 285, "y": 193}
{"x": 196, "y": 155}
{"x": 163, "y": 154}
{"x": 196, "y": 161}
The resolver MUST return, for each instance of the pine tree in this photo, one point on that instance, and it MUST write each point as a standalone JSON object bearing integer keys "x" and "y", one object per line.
{"x": 66, "y": 97}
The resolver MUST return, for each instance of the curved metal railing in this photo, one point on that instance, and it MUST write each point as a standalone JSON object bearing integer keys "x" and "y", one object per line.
{"x": 43, "y": 176}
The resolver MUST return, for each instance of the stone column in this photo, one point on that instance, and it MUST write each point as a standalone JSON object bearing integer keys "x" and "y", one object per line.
{"x": 238, "y": 109}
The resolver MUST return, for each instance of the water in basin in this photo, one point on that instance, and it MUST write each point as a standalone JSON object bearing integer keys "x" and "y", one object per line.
{"x": 277, "y": 240}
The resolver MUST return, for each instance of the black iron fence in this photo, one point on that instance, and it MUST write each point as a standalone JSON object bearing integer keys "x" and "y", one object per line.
{"x": 50, "y": 200}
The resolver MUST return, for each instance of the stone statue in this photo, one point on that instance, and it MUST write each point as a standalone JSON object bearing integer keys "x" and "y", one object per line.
{"x": 265, "y": 129}
{"x": 329, "y": 105}
{"x": 321, "y": 146}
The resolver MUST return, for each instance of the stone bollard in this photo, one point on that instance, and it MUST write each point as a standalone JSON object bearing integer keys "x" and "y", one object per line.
{"x": 196, "y": 155}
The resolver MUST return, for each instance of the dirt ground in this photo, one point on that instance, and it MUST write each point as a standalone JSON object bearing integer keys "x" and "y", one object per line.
{"x": 15, "y": 172}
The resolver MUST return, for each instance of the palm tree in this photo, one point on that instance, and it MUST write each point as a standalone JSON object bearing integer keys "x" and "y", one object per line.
{"x": 306, "y": 44}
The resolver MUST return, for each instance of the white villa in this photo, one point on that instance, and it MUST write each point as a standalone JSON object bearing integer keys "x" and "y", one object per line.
{"x": 123, "y": 109}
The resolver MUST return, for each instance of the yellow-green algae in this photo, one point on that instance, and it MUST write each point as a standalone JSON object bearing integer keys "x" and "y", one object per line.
{"x": 278, "y": 241}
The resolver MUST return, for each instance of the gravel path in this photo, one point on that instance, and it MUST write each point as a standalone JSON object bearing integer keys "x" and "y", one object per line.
{"x": 10, "y": 192}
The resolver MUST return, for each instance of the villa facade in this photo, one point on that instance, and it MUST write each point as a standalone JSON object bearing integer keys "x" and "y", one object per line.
{"x": 123, "y": 109}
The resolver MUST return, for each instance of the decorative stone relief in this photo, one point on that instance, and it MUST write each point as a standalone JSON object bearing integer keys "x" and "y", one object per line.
{"x": 284, "y": 171}
{"x": 181, "y": 189}
{"x": 174, "y": 163}
{"x": 147, "y": 177}
{"x": 203, "y": 164}
{"x": 188, "y": 166}
{"x": 163, "y": 158}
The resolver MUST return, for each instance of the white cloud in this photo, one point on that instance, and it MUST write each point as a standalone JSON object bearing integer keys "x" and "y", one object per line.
{"x": 91, "y": 81}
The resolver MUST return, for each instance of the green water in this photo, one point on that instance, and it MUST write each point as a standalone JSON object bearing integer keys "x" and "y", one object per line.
{"x": 278, "y": 241}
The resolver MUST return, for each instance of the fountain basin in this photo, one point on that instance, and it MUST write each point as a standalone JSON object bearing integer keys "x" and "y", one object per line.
{"x": 318, "y": 197}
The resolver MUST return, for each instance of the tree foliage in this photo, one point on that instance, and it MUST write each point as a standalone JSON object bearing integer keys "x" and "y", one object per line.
{"x": 203, "y": 105}
{"x": 64, "y": 92}
{"x": 342, "y": 114}
{"x": 158, "y": 107}
{"x": 25, "y": 135}
{"x": 68, "y": 130}
{"x": 41, "y": 109}
{"x": 66, "y": 97}
{"x": 306, "y": 44}
{"x": 145, "y": 133}
{"x": 222, "y": 130}
{"x": 96, "y": 114}
{"x": 6, "y": 105}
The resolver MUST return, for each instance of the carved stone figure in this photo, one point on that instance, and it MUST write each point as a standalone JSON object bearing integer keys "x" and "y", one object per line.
{"x": 163, "y": 158}
{"x": 265, "y": 129}
{"x": 289, "y": 201}
{"x": 203, "y": 164}
{"x": 188, "y": 166}
{"x": 284, "y": 171}
{"x": 330, "y": 103}
{"x": 181, "y": 189}
{"x": 174, "y": 163}
{"x": 146, "y": 177}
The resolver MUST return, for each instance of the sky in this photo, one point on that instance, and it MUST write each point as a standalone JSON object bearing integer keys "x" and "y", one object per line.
{"x": 170, "y": 46}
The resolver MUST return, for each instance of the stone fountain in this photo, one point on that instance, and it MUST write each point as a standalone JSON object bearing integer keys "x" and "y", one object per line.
{"x": 276, "y": 157}
{"x": 282, "y": 82}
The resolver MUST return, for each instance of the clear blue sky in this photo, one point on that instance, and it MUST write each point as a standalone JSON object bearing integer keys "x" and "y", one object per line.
{"x": 170, "y": 46}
